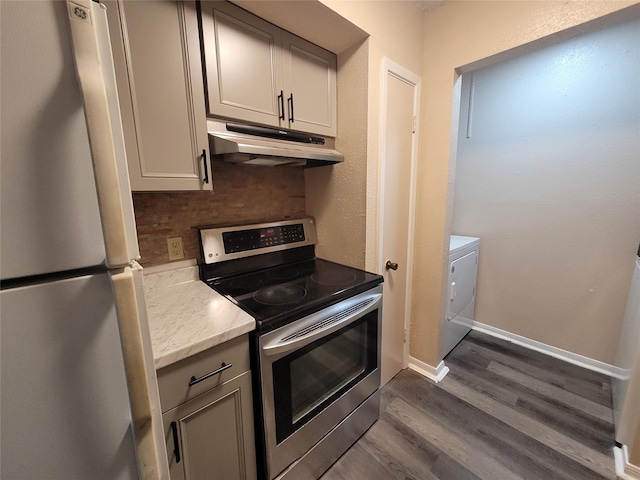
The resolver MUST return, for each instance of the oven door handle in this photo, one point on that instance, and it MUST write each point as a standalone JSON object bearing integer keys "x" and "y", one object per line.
{"x": 323, "y": 326}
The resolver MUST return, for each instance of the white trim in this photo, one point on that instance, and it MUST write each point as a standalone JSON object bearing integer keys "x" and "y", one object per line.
{"x": 567, "y": 356}
{"x": 624, "y": 469}
{"x": 434, "y": 374}
{"x": 632, "y": 470}
{"x": 391, "y": 68}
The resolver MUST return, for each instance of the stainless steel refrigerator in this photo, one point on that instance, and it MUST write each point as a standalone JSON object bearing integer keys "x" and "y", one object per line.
{"x": 78, "y": 392}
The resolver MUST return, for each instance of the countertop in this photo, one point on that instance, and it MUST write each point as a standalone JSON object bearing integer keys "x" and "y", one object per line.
{"x": 187, "y": 317}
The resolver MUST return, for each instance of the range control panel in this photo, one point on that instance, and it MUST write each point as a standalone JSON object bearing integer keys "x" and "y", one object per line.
{"x": 243, "y": 240}
{"x": 228, "y": 243}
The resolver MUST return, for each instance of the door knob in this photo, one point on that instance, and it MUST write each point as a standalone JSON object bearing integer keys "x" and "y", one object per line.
{"x": 390, "y": 265}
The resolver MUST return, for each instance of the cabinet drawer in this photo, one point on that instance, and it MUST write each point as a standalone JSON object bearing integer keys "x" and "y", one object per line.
{"x": 173, "y": 380}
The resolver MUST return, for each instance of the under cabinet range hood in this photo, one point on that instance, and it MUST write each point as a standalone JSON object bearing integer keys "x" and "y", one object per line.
{"x": 252, "y": 145}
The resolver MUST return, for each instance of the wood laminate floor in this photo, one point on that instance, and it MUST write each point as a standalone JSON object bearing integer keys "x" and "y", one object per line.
{"x": 503, "y": 412}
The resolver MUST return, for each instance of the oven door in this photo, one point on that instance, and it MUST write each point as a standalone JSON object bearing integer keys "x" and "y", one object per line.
{"x": 315, "y": 372}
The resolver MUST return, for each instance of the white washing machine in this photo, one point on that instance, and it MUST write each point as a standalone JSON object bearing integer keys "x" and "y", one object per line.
{"x": 461, "y": 290}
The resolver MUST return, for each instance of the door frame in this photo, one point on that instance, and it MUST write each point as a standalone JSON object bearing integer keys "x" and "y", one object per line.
{"x": 389, "y": 67}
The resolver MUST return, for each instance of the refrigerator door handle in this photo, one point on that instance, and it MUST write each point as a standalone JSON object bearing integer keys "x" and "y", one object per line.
{"x": 96, "y": 76}
{"x": 142, "y": 384}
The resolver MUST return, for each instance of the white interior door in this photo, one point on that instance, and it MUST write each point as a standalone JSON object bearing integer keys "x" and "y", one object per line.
{"x": 401, "y": 99}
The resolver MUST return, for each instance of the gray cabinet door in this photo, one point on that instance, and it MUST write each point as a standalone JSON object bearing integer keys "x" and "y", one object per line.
{"x": 214, "y": 434}
{"x": 156, "y": 52}
{"x": 310, "y": 83}
{"x": 243, "y": 64}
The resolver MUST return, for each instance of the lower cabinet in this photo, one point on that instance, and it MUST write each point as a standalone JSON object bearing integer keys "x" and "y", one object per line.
{"x": 209, "y": 431}
{"x": 211, "y": 436}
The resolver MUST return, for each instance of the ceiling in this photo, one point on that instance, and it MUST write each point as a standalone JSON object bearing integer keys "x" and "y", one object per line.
{"x": 316, "y": 22}
{"x": 428, "y": 5}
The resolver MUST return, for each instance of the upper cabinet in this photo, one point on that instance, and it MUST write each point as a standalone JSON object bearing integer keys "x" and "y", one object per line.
{"x": 156, "y": 51}
{"x": 310, "y": 80}
{"x": 243, "y": 61}
{"x": 258, "y": 73}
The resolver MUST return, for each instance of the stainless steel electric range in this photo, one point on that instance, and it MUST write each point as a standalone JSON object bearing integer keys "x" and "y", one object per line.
{"x": 316, "y": 348}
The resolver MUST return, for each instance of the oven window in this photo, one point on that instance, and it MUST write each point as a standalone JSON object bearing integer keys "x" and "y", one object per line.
{"x": 309, "y": 379}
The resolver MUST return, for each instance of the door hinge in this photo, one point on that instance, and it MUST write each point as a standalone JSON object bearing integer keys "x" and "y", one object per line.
{"x": 406, "y": 334}
{"x": 413, "y": 125}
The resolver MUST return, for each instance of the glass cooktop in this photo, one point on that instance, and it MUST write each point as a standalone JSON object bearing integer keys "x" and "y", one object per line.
{"x": 278, "y": 295}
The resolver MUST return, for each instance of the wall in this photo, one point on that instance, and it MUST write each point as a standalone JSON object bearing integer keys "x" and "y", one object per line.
{"x": 336, "y": 196}
{"x": 469, "y": 35}
{"x": 241, "y": 194}
{"x": 550, "y": 181}
{"x": 396, "y": 32}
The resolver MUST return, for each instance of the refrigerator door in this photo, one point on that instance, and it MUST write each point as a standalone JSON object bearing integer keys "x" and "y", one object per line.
{"x": 96, "y": 74}
{"x": 65, "y": 410}
{"x": 48, "y": 200}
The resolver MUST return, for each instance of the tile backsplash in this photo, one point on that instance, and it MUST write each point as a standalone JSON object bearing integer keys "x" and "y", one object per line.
{"x": 241, "y": 194}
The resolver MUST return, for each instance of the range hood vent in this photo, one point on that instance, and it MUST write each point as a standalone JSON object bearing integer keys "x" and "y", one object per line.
{"x": 242, "y": 148}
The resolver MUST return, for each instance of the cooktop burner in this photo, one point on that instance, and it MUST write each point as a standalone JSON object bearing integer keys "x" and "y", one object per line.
{"x": 284, "y": 273}
{"x": 280, "y": 294}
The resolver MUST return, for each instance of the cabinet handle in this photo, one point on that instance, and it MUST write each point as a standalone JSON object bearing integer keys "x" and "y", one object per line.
{"x": 206, "y": 168}
{"x": 290, "y": 104}
{"x": 176, "y": 445}
{"x": 281, "y": 105}
{"x": 222, "y": 368}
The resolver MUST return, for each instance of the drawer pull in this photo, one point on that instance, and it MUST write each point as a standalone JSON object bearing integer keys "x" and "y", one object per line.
{"x": 222, "y": 368}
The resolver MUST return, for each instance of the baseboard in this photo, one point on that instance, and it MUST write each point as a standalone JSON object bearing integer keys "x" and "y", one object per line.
{"x": 624, "y": 469}
{"x": 434, "y": 374}
{"x": 574, "y": 358}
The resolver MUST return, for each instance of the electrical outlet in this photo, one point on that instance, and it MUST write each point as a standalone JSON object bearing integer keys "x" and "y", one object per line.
{"x": 174, "y": 245}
